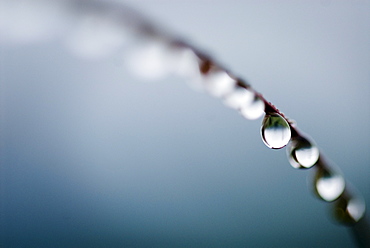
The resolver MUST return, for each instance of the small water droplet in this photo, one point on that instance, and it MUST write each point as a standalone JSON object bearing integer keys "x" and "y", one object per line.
{"x": 329, "y": 185}
{"x": 356, "y": 208}
{"x": 218, "y": 83}
{"x": 254, "y": 109}
{"x": 275, "y": 131}
{"x": 302, "y": 153}
{"x": 150, "y": 60}
{"x": 186, "y": 63}
{"x": 246, "y": 101}
{"x": 238, "y": 98}
{"x": 188, "y": 68}
{"x": 349, "y": 210}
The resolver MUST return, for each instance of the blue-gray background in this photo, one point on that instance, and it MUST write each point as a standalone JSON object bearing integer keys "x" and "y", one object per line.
{"x": 93, "y": 157}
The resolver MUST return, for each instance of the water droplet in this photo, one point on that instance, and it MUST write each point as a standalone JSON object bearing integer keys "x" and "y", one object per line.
{"x": 275, "y": 131}
{"x": 356, "y": 208}
{"x": 150, "y": 61}
{"x": 254, "y": 109}
{"x": 349, "y": 210}
{"x": 218, "y": 83}
{"x": 246, "y": 101}
{"x": 239, "y": 97}
{"x": 329, "y": 185}
{"x": 186, "y": 63}
{"x": 302, "y": 153}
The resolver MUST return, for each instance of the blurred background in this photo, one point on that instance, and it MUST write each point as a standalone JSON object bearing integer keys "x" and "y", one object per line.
{"x": 93, "y": 155}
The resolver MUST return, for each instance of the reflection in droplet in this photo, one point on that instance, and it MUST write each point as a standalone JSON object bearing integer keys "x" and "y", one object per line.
{"x": 302, "y": 153}
{"x": 329, "y": 185}
{"x": 275, "y": 131}
{"x": 349, "y": 210}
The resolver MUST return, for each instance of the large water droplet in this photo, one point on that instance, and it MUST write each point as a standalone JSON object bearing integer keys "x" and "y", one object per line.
{"x": 275, "y": 131}
{"x": 329, "y": 185}
{"x": 349, "y": 210}
{"x": 246, "y": 101}
{"x": 302, "y": 153}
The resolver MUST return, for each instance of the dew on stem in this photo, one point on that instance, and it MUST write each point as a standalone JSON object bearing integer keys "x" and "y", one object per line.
{"x": 238, "y": 98}
{"x": 254, "y": 109}
{"x": 356, "y": 208}
{"x": 150, "y": 61}
{"x": 329, "y": 184}
{"x": 245, "y": 100}
{"x": 218, "y": 83}
{"x": 275, "y": 131}
{"x": 349, "y": 209}
{"x": 302, "y": 153}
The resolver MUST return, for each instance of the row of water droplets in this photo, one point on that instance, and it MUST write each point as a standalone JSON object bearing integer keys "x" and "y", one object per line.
{"x": 93, "y": 30}
{"x": 276, "y": 133}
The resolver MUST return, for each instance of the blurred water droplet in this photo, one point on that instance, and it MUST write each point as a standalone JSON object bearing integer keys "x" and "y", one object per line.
{"x": 246, "y": 101}
{"x": 186, "y": 63}
{"x": 329, "y": 185}
{"x": 349, "y": 210}
{"x": 238, "y": 98}
{"x": 150, "y": 61}
{"x": 218, "y": 83}
{"x": 275, "y": 131}
{"x": 302, "y": 153}
{"x": 188, "y": 67}
{"x": 356, "y": 208}
{"x": 254, "y": 109}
